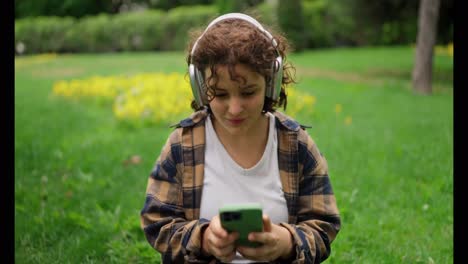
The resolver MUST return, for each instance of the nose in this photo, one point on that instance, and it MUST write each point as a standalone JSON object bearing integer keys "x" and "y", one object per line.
{"x": 235, "y": 106}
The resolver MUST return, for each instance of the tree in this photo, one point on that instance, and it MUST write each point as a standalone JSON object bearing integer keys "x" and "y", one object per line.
{"x": 228, "y": 6}
{"x": 425, "y": 42}
{"x": 291, "y": 21}
{"x": 74, "y": 8}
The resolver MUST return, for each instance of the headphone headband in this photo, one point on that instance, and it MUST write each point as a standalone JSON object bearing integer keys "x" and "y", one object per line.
{"x": 196, "y": 76}
{"x": 241, "y": 16}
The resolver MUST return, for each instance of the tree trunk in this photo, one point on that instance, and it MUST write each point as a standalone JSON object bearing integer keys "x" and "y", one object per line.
{"x": 425, "y": 42}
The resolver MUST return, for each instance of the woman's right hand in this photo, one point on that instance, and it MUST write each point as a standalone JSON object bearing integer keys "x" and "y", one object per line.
{"x": 218, "y": 242}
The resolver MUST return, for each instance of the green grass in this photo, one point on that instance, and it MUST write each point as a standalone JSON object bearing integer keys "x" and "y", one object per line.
{"x": 391, "y": 167}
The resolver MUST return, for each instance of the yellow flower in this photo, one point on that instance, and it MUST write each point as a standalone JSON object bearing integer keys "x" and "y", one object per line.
{"x": 153, "y": 97}
{"x": 348, "y": 120}
{"x": 450, "y": 49}
{"x": 338, "y": 108}
{"x": 444, "y": 50}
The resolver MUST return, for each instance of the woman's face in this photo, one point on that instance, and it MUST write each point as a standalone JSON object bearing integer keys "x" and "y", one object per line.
{"x": 237, "y": 107}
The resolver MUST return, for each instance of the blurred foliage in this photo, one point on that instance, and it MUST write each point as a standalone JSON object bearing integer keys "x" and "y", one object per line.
{"x": 178, "y": 24}
{"x": 129, "y": 25}
{"x": 73, "y": 8}
{"x": 131, "y": 31}
{"x": 327, "y": 24}
{"x": 169, "y": 4}
{"x": 50, "y": 30}
{"x": 81, "y": 8}
{"x": 393, "y": 21}
{"x": 139, "y": 31}
{"x": 228, "y": 6}
{"x": 291, "y": 21}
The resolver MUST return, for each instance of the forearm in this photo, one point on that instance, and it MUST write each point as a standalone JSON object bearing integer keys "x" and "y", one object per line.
{"x": 318, "y": 220}
{"x": 312, "y": 240}
{"x": 174, "y": 237}
{"x": 165, "y": 224}
{"x": 287, "y": 240}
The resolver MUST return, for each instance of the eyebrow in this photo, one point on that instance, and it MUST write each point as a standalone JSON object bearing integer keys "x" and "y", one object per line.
{"x": 253, "y": 85}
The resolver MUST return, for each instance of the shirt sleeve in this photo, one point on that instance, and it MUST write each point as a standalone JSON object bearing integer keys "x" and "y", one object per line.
{"x": 318, "y": 219}
{"x": 163, "y": 220}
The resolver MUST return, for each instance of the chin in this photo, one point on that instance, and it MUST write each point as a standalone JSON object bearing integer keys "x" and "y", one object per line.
{"x": 235, "y": 130}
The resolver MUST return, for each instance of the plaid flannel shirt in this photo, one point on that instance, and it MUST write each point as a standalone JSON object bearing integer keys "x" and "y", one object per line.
{"x": 170, "y": 216}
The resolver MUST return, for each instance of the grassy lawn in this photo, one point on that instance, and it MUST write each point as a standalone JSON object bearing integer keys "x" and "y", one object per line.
{"x": 390, "y": 154}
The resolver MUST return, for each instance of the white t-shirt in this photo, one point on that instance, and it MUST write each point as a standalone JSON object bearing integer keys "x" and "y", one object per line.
{"x": 227, "y": 182}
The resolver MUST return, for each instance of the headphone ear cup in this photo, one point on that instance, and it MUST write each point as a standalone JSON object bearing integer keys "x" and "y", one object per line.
{"x": 201, "y": 87}
{"x": 196, "y": 82}
{"x": 276, "y": 79}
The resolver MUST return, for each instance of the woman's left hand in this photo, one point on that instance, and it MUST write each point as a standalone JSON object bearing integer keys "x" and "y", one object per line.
{"x": 276, "y": 243}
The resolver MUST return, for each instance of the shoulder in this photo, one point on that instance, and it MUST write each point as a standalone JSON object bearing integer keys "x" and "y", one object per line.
{"x": 286, "y": 122}
{"x": 190, "y": 132}
{"x": 309, "y": 154}
{"x": 195, "y": 119}
{"x": 287, "y": 125}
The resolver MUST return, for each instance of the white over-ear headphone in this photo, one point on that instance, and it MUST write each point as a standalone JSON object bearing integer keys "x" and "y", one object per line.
{"x": 273, "y": 88}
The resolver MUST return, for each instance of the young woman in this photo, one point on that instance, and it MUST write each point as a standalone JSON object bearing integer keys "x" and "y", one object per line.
{"x": 236, "y": 148}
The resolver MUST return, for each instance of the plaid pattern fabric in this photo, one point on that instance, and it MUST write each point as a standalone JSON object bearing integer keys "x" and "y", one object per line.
{"x": 170, "y": 216}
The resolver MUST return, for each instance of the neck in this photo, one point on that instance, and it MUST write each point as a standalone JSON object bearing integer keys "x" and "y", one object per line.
{"x": 246, "y": 149}
{"x": 255, "y": 136}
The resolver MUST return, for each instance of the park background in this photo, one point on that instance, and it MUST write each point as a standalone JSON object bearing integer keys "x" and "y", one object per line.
{"x": 98, "y": 83}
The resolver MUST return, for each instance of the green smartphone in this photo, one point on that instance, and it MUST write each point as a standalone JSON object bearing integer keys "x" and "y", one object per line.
{"x": 243, "y": 218}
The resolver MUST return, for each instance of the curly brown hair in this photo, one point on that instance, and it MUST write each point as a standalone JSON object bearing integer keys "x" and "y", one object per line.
{"x": 232, "y": 41}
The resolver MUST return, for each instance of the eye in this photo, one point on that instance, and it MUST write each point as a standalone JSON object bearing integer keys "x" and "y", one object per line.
{"x": 248, "y": 93}
{"x": 221, "y": 95}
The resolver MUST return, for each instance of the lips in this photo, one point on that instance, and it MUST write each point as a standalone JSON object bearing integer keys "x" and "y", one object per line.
{"x": 236, "y": 121}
